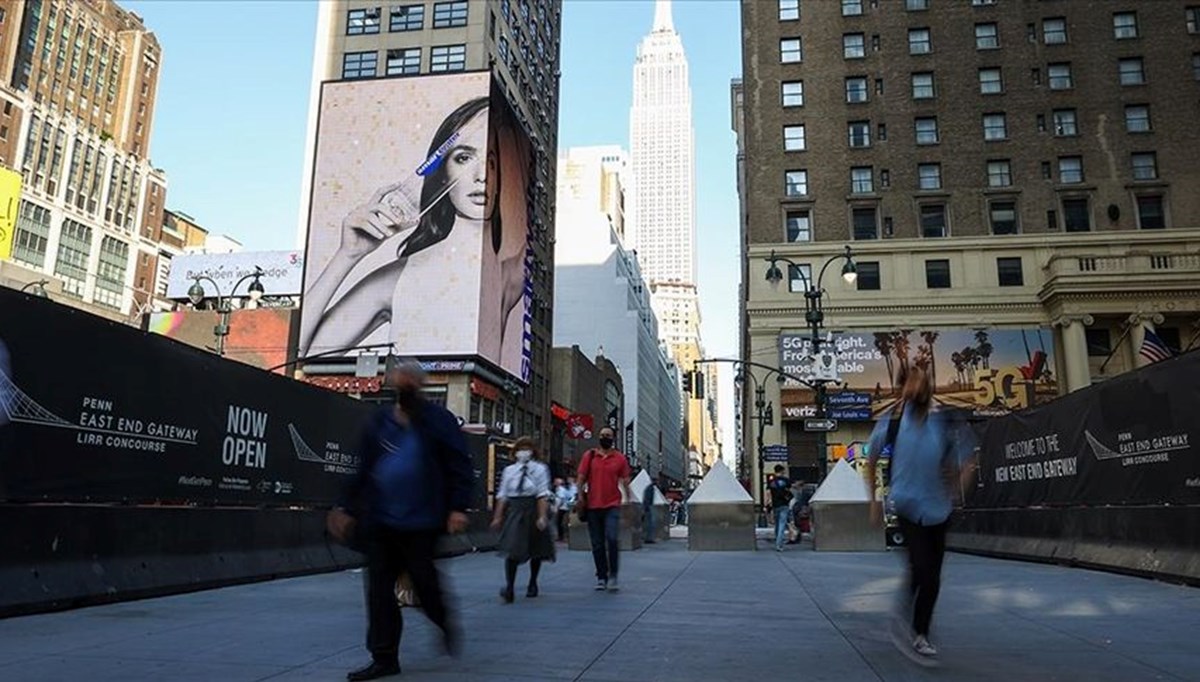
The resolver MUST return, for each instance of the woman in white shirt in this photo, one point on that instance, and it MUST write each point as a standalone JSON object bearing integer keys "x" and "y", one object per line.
{"x": 523, "y": 517}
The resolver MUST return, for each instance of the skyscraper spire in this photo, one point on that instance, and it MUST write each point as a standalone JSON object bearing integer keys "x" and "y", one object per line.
{"x": 662, "y": 16}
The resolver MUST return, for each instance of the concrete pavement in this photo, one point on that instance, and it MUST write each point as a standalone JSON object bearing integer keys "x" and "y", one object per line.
{"x": 679, "y": 617}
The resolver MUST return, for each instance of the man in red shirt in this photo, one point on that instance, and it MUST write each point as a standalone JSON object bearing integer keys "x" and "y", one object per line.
{"x": 605, "y": 472}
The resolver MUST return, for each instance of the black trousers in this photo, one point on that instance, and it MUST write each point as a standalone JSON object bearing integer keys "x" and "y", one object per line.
{"x": 604, "y": 529}
{"x": 926, "y": 549}
{"x": 390, "y": 553}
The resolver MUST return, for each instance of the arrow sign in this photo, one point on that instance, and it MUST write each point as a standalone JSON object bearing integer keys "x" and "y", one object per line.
{"x": 820, "y": 425}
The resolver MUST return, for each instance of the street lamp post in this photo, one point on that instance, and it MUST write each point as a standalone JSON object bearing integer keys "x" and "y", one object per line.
{"x": 196, "y": 294}
{"x": 764, "y": 413}
{"x": 814, "y": 315}
{"x": 39, "y": 288}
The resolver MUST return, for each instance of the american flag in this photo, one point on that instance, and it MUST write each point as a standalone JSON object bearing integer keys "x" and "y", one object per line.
{"x": 1154, "y": 349}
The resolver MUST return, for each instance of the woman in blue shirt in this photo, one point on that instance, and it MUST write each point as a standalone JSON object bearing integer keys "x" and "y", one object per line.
{"x": 923, "y": 450}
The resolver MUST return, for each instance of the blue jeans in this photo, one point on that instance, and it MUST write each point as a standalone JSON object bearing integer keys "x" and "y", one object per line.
{"x": 781, "y": 522}
{"x": 604, "y": 527}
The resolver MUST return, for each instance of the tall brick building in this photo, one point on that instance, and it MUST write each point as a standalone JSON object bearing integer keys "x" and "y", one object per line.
{"x": 996, "y": 166}
{"x": 79, "y": 81}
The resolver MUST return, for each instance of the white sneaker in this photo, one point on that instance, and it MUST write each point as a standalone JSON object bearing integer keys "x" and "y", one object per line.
{"x": 922, "y": 646}
{"x": 612, "y": 584}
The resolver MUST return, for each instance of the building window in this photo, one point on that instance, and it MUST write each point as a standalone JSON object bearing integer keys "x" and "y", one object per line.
{"x": 865, "y": 223}
{"x": 1150, "y": 212}
{"x": 798, "y": 225}
{"x": 1196, "y": 66}
{"x": 1131, "y": 71}
{"x": 999, "y": 173}
{"x": 929, "y": 176}
{"x": 919, "y": 41}
{"x": 793, "y": 138}
{"x": 1059, "y": 75}
{"x": 916, "y": 5}
{"x": 987, "y": 36}
{"x": 1070, "y": 170}
{"x": 790, "y": 51}
{"x": 404, "y": 62}
{"x": 798, "y": 278}
{"x": 927, "y": 130}
{"x": 859, "y": 133}
{"x": 359, "y": 64}
{"x": 1193, "y": 19}
{"x": 1064, "y": 123}
{"x": 789, "y": 10}
{"x": 362, "y": 21}
{"x": 110, "y": 277}
{"x": 1099, "y": 342}
{"x": 852, "y": 8}
{"x": 995, "y": 127}
{"x": 862, "y": 180}
{"x": 856, "y": 89}
{"x": 1054, "y": 31}
{"x": 1145, "y": 165}
{"x": 795, "y": 183}
{"x": 937, "y": 274}
{"x": 792, "y": 93}
{"x": 922, "y": 86}
{"x": 448, "y": 58}
{"x": 450, "y": 14}
{"x": 1077, "y": 215}
{"x": 933, "y": 220}
{"x": 406, "y": 18}
{"x": 1010, "y": 272}
{"x": 990, "y": 81}
{"x": 868, "y": 276}
{"x": 1125, "y": 25}
{"x": 74, "y": 247}
{"x": 1003, "y": 216}
{"x": 854, "y": 46}
{"x": 1137, "y": 118}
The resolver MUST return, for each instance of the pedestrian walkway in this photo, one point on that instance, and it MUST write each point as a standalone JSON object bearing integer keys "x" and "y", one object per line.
{"x": 680, "y": 617}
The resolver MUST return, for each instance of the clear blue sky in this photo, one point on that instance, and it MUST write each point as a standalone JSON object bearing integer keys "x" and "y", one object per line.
{"x": 233, "y": 105}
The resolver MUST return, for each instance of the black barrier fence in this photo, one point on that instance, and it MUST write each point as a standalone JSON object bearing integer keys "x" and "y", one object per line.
{"x": 1130, "y": 440}
{"x": 95, "y": 411}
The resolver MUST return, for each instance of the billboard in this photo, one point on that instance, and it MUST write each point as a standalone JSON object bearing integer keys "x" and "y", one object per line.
{"x": 418, "y": 226}
{"x": 10, "y": 202}
{"x": 258, "y": 336}
{"x": 282, "y": 272}
{"x": 985, "y": 372}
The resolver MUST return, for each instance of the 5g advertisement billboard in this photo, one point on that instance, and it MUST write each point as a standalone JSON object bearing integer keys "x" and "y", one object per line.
{"x": 418, "y": 231}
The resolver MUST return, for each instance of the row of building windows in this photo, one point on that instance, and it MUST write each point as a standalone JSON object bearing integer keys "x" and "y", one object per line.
{"x": 401, "y": 18}
{"x": 74, "y": 251}
{"x": 1002, "y": 214}
{"x": 1009, "y": 273}
{"x": 926, "y": 131}
{"x": 1054, "y": 29}
{"x": 405, "y": 61}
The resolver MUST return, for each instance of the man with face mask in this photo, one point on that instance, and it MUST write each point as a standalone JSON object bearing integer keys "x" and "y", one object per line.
{"x": 603, "y": 474}
{"x": 922, "y": 449}
{"x": 414, "y": 482}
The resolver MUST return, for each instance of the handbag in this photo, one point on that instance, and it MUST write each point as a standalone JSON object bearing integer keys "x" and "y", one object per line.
{"x": 581, "y": 501}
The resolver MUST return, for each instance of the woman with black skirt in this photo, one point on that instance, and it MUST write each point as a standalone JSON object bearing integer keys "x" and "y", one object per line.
{"x": 523, "y": 515}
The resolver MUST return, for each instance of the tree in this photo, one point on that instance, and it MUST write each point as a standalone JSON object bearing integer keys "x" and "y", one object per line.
{"x": 959, "y": 367}
{"x": 901, "y": 344}
{"x": 930, "y": 339}
{"x": 883, "y": 344}
{"x": 985, "y": 347}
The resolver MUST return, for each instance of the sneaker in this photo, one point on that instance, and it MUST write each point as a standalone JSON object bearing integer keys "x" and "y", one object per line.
{"x": 612, "y": 584}
{"x": 922, "y": 646}
{"x": 601, "y": 585}
{"x": 778, "y": 549}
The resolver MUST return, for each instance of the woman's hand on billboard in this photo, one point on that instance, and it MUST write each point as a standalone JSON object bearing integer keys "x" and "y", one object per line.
{"x": 371, "y": 223}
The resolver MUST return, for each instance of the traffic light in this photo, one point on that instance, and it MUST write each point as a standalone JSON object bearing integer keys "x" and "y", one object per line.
{"x": 687, "y": 383}
{"x": 698, "y": 386}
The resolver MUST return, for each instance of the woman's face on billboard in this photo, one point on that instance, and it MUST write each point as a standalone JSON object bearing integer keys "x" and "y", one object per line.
{"x": 466, "y": 169}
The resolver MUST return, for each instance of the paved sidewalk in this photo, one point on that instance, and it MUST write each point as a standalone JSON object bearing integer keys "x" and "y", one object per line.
{"x": 680, "y": 617}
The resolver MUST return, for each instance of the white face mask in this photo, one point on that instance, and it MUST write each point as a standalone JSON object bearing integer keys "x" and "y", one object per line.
{"x": 524, "y": 455}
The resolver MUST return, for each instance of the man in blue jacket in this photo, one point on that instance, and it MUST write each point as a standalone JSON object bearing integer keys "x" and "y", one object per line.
{"x": 414, "y": 482}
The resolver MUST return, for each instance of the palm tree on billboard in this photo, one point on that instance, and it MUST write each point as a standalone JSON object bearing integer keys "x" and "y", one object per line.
{"x": 930, "y": 338}
{"x": 883, "y": 344}
{"x": 985, "y": 347}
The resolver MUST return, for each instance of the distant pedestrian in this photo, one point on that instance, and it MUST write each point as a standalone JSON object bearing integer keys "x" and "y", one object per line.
{"x": 414, "y": 483}
{"x": 523, "y": 515}
{"x": 603, "y": 475}
{"x": 922, "y": 447}
{"x": 565, "y": 494}
{"x": 648, "y": 513}
{"x": 781, "y": 495}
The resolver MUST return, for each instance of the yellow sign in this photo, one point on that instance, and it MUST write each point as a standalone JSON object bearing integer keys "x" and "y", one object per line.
{"x": 10, "y": 200}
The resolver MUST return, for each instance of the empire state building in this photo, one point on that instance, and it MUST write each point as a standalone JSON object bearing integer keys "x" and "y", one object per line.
{"x": 663, "y": 226}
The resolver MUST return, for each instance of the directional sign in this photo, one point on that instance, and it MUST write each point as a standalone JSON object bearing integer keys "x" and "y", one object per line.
{"x": 820, "y": 425}
{"x": 775, "y": 453}
{"x": 854, "y": 414}
{"x": 848, "y": 399}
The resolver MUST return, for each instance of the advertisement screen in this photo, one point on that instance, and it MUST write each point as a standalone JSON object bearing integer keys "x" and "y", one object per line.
{"x": 10, "y": 199}
{"x": 986, "y": 372}
{"x": 418, "y": 227}
{"x": 282, "y": 271}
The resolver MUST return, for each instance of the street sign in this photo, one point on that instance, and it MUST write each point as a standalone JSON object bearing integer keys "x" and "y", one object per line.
{"x": 775, "y": 453}
{"x": 848, "y": 399}
{"x": 854, "y": 414}
{"x": 820, "y": 425}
